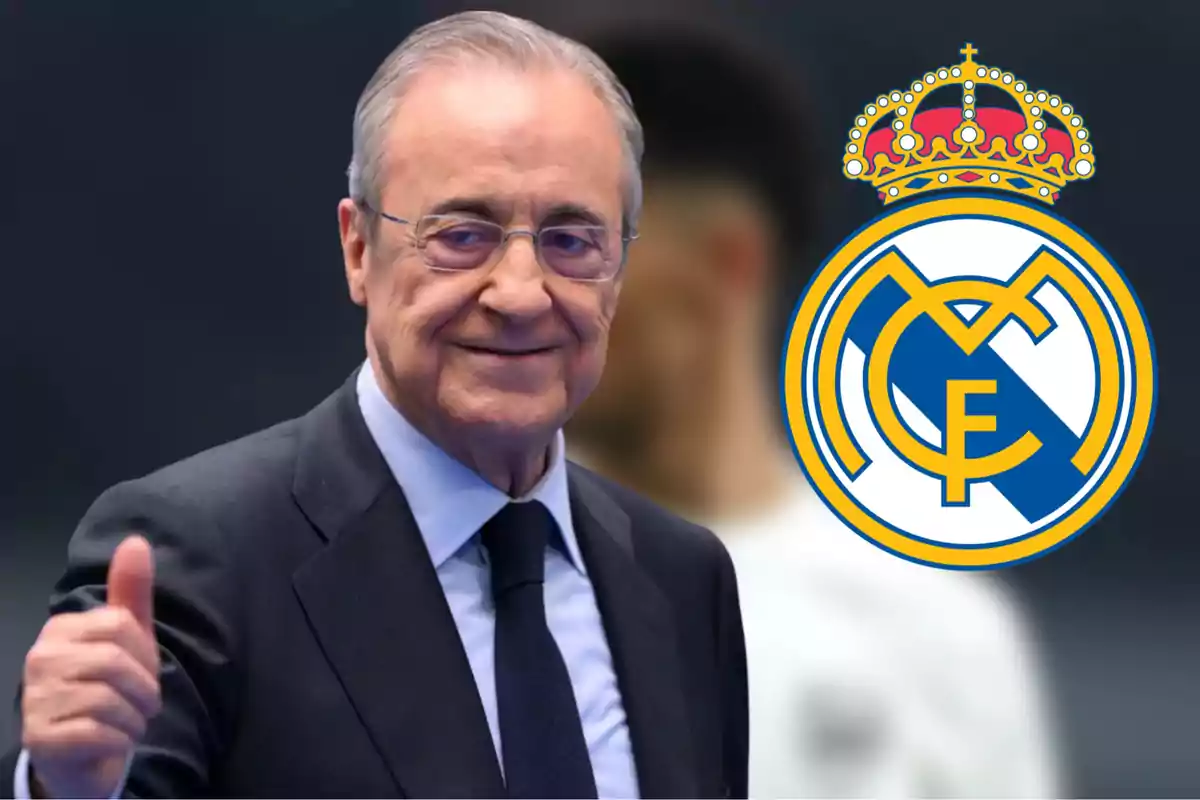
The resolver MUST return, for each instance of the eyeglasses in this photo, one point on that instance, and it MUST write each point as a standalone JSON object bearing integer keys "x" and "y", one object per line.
{"x": 448, "y": 243}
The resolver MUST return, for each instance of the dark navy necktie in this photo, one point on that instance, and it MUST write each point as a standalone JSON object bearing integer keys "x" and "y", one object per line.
{"x": 541, "y": 737}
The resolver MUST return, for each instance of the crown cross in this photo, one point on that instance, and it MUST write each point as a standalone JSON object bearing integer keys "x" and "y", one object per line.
{"x": 903, "y": 146}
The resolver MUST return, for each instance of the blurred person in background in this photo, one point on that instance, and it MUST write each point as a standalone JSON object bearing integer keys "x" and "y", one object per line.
{"x": 869, "y": 675}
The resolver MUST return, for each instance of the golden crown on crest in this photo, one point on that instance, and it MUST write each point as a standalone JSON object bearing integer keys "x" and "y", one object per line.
{"x": 903, "y": 150}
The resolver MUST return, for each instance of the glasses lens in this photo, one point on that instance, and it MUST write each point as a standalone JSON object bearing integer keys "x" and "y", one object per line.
{"x": 455, "y": 243}
{"x": 580, "y": 252}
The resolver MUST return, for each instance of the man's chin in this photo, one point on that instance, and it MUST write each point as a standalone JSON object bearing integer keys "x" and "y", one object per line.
{"x": 509, "y": 416}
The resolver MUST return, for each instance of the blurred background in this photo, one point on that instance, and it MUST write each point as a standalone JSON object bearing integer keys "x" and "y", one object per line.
{"x": 171, "y": 273}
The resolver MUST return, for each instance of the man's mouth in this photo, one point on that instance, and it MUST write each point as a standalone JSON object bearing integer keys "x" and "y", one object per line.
{"x": 507, "y": 352}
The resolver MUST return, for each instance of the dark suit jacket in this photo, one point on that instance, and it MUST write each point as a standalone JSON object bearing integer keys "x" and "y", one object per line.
{"x": 308, "y": 649}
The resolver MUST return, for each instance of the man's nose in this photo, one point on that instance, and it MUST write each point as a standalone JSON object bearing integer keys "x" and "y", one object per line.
{"x": 516, "y": 283}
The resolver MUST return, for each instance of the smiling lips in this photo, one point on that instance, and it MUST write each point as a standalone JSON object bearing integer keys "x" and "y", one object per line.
{"x": 508, "y": 352}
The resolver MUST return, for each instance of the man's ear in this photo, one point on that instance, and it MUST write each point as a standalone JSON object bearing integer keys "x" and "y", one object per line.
{"x": 351, "y": 227}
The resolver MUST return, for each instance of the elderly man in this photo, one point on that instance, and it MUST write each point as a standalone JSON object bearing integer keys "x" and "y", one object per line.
{"x": 409, "y": 591}
{"x": 869, "y": 676}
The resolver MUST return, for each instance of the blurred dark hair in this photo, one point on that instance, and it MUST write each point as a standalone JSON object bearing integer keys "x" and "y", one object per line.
{"x": 711, "y": 103}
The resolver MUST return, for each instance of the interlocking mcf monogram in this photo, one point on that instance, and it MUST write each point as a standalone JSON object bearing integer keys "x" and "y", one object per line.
{"x": 1002, "y": 301}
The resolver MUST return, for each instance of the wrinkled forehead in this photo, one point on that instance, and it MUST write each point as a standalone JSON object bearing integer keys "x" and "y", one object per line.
{"x": 523, "y": 139}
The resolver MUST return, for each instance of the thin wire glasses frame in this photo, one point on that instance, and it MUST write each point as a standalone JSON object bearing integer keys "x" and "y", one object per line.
{"x": 457, "y": 243}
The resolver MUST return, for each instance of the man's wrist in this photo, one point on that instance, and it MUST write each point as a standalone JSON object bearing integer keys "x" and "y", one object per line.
{"x": 26, "y": 785}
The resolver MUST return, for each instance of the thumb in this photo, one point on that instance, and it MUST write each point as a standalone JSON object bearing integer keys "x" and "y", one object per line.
{"x": 131, "y": 580}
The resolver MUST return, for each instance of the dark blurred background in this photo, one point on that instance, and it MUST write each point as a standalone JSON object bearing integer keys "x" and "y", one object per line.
{"x": 172, "y": 279}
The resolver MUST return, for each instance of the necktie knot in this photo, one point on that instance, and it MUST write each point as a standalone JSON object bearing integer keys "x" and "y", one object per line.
{"x": 516, "y": 540}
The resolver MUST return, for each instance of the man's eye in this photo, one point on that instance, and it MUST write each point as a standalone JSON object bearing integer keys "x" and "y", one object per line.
{"x": 464, "y": 236}
{"x": 568, "y": 242}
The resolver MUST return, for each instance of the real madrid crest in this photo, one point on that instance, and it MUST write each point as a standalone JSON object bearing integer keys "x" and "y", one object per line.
{"x": 969, "y": 380}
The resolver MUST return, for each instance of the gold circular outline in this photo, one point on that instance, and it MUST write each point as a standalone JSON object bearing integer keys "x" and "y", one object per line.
{"x": 1103, "y": 494}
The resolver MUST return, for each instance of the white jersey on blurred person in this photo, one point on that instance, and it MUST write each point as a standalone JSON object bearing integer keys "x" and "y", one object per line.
{"x": 871, "y": 676}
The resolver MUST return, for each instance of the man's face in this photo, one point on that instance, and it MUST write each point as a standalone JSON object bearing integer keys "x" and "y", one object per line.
{"x": 508, "y": 349}
{"x": 664, "y": 339}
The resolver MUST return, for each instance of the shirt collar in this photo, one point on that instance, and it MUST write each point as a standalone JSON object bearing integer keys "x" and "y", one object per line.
{"x": 449, "y": 501}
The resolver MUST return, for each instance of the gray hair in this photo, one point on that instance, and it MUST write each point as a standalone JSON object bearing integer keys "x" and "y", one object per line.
{"x": 503, "y": 39}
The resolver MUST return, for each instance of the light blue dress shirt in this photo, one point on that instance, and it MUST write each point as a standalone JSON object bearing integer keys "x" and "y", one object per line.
{"x": 450, "y": 503}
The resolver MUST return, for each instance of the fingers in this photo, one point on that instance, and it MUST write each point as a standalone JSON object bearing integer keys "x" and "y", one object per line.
{"x": 105, "y": 624}
{"x": 77, "y": 740}
{"x": 54, "y": 672}
{"x": 98, "y": 701}
{"x": 115, "y": 667}
{"x": 131, "y": 580}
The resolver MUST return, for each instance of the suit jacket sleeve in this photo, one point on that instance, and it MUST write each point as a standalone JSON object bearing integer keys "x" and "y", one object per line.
{"x": 735, "y": 702}
{"x": 194, "y": 601}
{"x": 8, "y": 772}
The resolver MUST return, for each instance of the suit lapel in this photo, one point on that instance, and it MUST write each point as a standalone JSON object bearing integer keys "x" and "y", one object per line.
{"x": 375, "y": 604}
{"x": 641, "y": 634}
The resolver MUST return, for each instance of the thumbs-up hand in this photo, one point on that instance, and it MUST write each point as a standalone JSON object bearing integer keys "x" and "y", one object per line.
{"x": 91, "y": 684}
